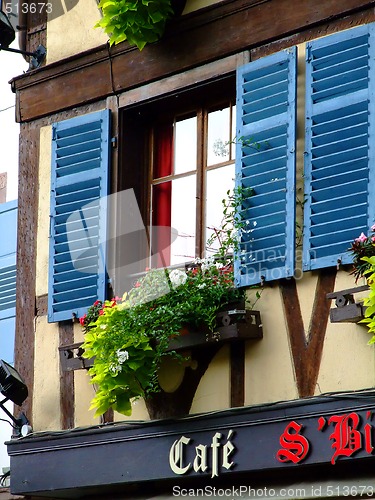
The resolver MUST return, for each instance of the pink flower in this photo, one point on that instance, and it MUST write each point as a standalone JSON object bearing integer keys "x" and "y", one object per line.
{"x": 82, "y": 320}
{"x": 373, "y": 239}
{"x": 115, "y": 300}
{"x": 361, "y": 238}
{"x": 373, "y": 227}
{"x": 137, "y": 284}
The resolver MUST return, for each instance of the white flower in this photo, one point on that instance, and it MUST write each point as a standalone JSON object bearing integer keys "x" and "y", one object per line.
{"x": 207, "y": 263}
{"x": 122, "y": 356}
{"x": 177, "y": 277}
{"x": 115, "y": 368}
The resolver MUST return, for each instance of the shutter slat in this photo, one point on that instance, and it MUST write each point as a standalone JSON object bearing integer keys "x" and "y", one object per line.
{"x": 265, "y": 162}
{"x": 79, "y": 180}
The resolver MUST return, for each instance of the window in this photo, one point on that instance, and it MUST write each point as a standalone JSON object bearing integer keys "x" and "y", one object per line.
{"x": 174, "y": 153}
{"x": 192, "y": 170}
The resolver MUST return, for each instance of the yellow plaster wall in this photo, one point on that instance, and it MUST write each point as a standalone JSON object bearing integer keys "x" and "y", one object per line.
{"x": 46, "y": 393}
{"x": 192, "y": 5}
{"x": 213, "y": 392}
{"x": 269, "y": 374}
{"x": 73, "y": 32}
{"x": 84, "y": 391}
{"x": 348, "y": 360}
{"x": 42, "y": 251}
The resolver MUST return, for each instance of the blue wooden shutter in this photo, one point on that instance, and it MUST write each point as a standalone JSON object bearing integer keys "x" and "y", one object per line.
{"x": 8, "y": 246}
{"x": 265, "y": 161}
{"x": 79, "y": 186}
{"x": 339, "y": 123}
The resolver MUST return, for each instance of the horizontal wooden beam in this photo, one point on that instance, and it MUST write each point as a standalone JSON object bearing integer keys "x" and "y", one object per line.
{"x": 193, "y": 40}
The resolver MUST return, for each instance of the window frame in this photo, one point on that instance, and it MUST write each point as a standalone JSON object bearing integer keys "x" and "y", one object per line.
{"x": 139, "y": 120}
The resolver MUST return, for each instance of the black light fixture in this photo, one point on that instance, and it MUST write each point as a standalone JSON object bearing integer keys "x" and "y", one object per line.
{"x": 14, "y": 389}
{"x": 8, "y": 34}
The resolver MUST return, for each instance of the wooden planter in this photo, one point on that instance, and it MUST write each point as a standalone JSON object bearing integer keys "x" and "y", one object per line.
{"x": 233, "y": 324}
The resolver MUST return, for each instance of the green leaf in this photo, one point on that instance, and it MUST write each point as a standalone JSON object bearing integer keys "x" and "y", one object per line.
{"x": 123, "y": 405}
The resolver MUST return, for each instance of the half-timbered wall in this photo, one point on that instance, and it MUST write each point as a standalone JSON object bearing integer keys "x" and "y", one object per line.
{"x": 302, "y": 353}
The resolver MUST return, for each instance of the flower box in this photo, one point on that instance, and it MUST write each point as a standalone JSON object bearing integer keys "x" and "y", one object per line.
{"x": 233, "y": 324}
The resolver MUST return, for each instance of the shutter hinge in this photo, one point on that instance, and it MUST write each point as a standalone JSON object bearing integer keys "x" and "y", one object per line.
{"x": 308, "y": 53}
{"x": 114, "y": 142}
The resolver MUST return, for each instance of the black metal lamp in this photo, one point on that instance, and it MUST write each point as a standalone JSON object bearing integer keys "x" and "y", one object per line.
{"x": 7, "y": 35}
{"x": 14, "y": 389}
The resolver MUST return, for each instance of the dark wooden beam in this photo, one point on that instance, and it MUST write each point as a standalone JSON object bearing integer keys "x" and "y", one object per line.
{"x": 237, "y": 374}
{"x": 28, "y": 192}
{"x": 307, "y": 349}
{"x": 66, "y": 336}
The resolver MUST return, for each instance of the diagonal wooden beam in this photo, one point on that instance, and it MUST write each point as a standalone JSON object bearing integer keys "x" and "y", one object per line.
{"x": 307, "y": 351}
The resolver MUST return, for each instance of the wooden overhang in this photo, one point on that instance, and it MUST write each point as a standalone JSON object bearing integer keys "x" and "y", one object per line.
{"x": 192, "y": 40}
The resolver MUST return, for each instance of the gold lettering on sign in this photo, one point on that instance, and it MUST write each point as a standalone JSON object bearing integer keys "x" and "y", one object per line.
{"x": 176, "y": 454}
{"x": 215, "y": 456}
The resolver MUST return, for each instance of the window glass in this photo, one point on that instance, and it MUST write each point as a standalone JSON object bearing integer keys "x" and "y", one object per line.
{"x": 218, "y": 136}
{"x": 173, "y": 238}
{"x": 193, "y": 169}
{"x": 183, "y": 219}
{"x": 185, "y": 145}
{"x": 219, "y": 181}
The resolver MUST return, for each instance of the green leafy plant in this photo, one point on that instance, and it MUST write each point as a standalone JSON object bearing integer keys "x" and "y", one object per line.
{"x": 137, "y": 21}
{"x": 225, "y": 239}
{"x": 369, "y": 301}
{"x": 362, "y": 248}
{"x": 363, "y": 252}
{"x": 130, "y": 337}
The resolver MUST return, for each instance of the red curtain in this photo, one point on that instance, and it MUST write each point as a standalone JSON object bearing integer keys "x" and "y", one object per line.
{"x": 162, "y": 196}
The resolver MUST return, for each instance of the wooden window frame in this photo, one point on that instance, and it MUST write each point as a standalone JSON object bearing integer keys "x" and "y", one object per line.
{"x": 136, "y": 143}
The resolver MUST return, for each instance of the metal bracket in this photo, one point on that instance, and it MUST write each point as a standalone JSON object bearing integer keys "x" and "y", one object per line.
{"x": 71, "y": 358}
{"x": 347, "y": 309}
